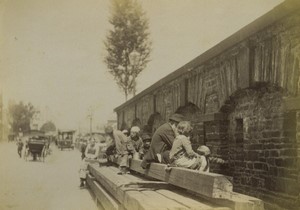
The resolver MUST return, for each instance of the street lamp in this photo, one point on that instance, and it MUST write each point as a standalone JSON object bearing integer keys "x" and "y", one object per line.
{"x": 134, "y": 59}
{"x": 90, "y": 116}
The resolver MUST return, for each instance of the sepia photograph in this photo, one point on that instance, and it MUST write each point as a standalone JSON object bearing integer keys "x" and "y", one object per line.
{"x": 149, "y": 105}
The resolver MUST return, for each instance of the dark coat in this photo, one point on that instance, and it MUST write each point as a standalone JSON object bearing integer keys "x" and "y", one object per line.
{"x": 162, "y": 141}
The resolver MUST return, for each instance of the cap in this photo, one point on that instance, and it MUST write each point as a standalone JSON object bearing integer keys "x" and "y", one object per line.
{"x": 204, "y": 150}
{"x": 135, "y": 129}
{"x": 146, "y": 137}
{"x": 177, "y": 117}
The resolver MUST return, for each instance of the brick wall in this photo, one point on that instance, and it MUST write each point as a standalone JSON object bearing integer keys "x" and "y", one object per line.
{"x": 263, "y": 153}
{"x": 237, "y": 77}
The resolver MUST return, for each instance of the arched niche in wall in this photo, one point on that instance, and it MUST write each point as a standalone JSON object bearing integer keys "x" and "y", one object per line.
{"x": 136, "y": 122}
{"x": 188, "y": 111}
{"x": 155, "y": 120}
{"x": 259, "y": 130}
{"x": 124, "y": 126}
{"x": 191, "y": 112}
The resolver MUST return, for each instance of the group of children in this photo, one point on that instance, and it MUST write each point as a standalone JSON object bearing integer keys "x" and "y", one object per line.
{"x": 132, "y": 145}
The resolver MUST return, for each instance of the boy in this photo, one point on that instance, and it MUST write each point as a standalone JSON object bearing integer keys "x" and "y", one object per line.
{"x": 83, "y": 171}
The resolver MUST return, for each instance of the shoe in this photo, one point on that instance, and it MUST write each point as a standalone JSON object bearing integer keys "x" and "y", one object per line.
{"x": 121, "y": 173}
{"x": 168, "y": 168}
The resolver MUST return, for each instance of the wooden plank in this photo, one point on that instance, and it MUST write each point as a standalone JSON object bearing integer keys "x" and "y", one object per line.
{"x": 164, "y": 202}
{"x": 207, "y": 184}
{"x": 190, "y": 202}
{"x": 121, "y": 187}
{"x": 107, "y": 202}
{"x": 237, "y": 201}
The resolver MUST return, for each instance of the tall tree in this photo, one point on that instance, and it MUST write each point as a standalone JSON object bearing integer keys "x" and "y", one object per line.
{"x": 20, "y": 116}
{"x": 127, "y": 44}
{"x": 48, "y": 126}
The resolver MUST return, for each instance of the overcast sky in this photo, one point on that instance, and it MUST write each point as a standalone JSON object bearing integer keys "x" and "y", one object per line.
{"x": 51, "y": 51}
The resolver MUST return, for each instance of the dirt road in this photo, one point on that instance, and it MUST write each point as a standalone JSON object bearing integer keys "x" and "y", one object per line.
{"x": 37, "y": 185}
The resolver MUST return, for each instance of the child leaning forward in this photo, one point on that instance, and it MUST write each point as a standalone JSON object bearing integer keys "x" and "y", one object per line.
{"x": 182, "y": 154}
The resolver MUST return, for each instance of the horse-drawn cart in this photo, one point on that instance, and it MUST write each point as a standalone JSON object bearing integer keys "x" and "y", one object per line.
{"x": 36, "y": 147}
{"x": 65, "y": 139}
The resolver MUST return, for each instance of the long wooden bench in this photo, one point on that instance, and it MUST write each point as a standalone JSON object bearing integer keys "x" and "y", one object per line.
{"x": 192, "y": 189}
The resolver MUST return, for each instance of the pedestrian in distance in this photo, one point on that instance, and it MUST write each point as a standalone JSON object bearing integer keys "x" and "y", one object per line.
{"x": 92, "y": 151}
{"x": 19, "y": 146}
{"x": 82, "y": 149}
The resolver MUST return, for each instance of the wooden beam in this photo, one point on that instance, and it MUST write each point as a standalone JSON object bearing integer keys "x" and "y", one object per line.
{"x": 107, "y": 201}
{"x": 213, "y": 187}
{"x": 207, "y": 184}
{"x": 145, "y": 195}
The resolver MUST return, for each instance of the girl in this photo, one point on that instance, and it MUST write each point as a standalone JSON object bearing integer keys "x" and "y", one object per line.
{"x": 182, "y": 154}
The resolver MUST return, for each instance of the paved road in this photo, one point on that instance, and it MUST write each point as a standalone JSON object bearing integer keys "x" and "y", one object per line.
{"x": 35, "y": 185}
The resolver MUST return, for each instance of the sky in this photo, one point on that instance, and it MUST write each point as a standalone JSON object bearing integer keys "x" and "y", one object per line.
{"x": 52, "y": 51}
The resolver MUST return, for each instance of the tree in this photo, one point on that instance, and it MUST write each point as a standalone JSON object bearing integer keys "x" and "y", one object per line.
{"x": 127, "y": 44}
{"x": 20, "y": 116}
{"x": 48, "y": 126}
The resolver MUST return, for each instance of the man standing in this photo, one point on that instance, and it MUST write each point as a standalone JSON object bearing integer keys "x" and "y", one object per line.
{"x": 162, "y": 141}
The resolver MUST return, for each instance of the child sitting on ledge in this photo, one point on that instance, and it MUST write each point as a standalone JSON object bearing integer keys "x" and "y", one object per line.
{"x": 182, "y": 154}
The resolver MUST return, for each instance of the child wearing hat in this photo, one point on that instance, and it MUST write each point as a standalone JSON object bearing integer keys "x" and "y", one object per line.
{"x": 136, "y": 142}
{"x": 205, "y": 153}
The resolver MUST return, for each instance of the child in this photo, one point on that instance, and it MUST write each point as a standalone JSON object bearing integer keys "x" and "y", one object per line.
{"x": 146, "y": 144}
{"x": 83, "y": 171}
{"x": 136, "y": 149}
{"x": 182, "y": 154}
{"x": 204, "y": 152}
